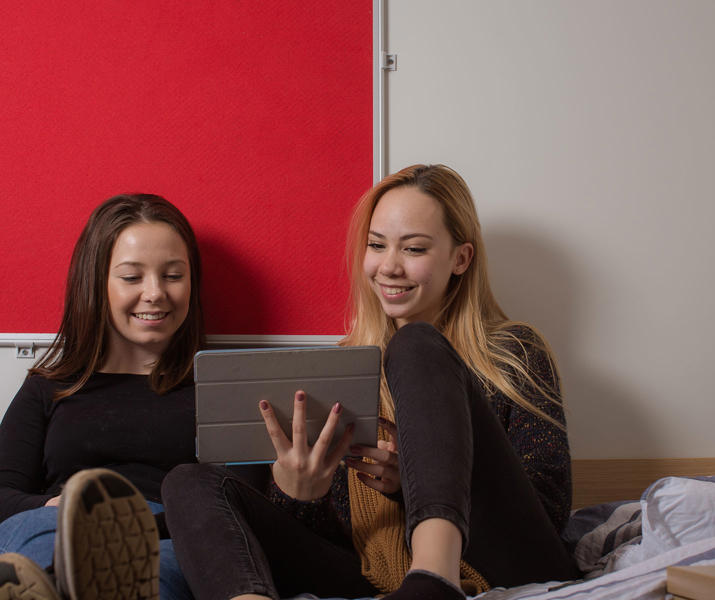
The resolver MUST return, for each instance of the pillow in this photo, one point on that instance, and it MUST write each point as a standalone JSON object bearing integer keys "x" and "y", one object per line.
{"x": 672, "y": 512}
{"x": 677, "y": 511}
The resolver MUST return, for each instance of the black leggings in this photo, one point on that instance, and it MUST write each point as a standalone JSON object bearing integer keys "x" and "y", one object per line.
{"x": 456, "y": 463}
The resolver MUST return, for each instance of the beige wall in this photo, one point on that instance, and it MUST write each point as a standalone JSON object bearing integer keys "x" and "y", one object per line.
{"x": 586, "y": 131}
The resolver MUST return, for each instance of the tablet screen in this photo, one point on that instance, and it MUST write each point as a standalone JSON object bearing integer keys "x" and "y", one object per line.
{"x": 231, "y": 383}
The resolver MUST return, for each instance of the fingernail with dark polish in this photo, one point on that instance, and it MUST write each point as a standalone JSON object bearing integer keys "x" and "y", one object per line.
{"x": 300, "y": 396}
{"x": 263, "y": 404}
{"x": 337, "y": 408}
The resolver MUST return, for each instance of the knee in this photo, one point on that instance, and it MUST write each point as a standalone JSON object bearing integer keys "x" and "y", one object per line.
{"x": 414, "y": 344}
{"x": 412, "y": 338}
{"x": 419, "y": 357}
{"x": 179, "y": 480}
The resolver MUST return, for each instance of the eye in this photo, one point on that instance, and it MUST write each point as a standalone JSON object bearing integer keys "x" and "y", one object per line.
{"x": 376, "y": 245}
{"x": 415, "y": 250}
{"x": 130, "y": 278}
{"x": 174, "y": 276}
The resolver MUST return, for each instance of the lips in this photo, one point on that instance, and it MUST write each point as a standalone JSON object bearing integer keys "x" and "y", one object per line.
{"x": 394, "y": 291}
{"x": 150, "y": 316}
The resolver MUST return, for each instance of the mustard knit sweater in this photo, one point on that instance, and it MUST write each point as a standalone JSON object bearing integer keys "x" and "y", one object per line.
{"x": 378, "y": 529}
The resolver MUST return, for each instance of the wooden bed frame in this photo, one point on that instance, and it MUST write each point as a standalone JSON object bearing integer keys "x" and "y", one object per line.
{"x": 605, "y": 480}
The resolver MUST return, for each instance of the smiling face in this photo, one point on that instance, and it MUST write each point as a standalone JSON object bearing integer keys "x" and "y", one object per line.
{"x": 149, "y": 288}
{"x": 410, "y": 255}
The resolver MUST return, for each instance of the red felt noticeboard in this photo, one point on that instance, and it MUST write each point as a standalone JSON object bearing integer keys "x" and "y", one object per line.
{"x": 254, "y": 118}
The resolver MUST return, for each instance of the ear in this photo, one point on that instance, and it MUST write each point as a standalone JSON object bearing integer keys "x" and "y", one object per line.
{"x": 463, "y": 258}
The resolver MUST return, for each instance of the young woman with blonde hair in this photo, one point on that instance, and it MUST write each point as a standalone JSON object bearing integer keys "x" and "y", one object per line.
{"x": 471, "y": 484}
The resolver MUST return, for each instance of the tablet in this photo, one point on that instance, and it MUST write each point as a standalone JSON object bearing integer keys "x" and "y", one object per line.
{"x": 231, "y": 383}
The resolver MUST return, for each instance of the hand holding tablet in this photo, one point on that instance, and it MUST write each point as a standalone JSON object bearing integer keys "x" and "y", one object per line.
{"x": 301, "y": 471}
{"x": 382, "y": 473}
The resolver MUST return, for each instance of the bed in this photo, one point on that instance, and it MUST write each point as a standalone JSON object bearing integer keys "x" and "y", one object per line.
{"x": 632, "y": 519}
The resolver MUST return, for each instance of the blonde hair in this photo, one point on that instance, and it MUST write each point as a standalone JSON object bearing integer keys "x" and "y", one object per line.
{"x": 471, "y": 319}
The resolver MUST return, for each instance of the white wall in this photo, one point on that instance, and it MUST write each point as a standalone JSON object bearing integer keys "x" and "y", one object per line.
{"x": 586, "y": 131}
{"x": 12, "y": 373}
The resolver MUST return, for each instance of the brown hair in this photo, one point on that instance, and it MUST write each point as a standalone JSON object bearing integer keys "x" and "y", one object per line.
{"x": 79, "y": 348}
{"x": 471, "y": 319}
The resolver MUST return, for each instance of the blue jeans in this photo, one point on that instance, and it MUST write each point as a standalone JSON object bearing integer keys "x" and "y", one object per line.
{"x": 32, "y": 534}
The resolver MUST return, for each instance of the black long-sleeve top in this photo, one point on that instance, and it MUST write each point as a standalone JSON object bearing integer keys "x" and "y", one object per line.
{"x": 115, "y": 421}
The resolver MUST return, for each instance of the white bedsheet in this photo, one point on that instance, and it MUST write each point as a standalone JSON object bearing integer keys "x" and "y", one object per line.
{"x": 642, "y": 581}
{"x": 678, "y": 529}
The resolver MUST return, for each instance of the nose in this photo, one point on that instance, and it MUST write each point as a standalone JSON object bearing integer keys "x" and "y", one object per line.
{"x": 153, "y": 289}
{"x": 391, "y": 265}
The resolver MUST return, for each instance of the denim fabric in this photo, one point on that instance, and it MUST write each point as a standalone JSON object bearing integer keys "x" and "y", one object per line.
{"x": 231, "y": 540}
{"x": 456, "y": 463}
{"x": 32, "y": 534}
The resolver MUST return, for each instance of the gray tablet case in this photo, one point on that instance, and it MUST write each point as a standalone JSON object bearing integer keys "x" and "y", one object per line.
{"x": 231, "y": 383}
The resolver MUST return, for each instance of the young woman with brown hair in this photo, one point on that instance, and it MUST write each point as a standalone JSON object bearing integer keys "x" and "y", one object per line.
{"x": 113, "y": 394}
{"x": 484, "y": 474}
